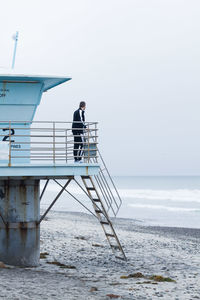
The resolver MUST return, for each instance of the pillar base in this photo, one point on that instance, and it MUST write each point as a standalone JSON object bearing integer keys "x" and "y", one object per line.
{"x": 19, "y": 229}
{"x": 20, "y": 247}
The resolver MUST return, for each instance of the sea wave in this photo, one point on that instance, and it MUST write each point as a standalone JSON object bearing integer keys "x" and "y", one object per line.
{"x": 178, "y": 195}
{"x": 161, "y": 207}
{"x": 175, "y": 195}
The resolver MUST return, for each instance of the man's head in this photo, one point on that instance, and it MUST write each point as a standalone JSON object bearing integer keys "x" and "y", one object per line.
{"x": 82, "y": 105}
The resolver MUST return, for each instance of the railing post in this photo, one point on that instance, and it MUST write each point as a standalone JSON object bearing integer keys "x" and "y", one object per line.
{"x": 54, "y": 154}
{"x": 66, "y": 143}
{"x": 88, "y": 143}
{"x": 95, "y": 132}
{"x": 9, "y": 163}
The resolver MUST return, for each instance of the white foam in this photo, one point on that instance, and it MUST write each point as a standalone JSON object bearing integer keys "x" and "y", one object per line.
{"x": 175, "y": 195}
{"x": 178, "y": 195}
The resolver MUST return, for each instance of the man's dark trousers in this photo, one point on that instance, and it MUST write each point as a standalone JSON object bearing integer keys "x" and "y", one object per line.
{"x": 77, "y": 130}
{"x": 78, "y": 145}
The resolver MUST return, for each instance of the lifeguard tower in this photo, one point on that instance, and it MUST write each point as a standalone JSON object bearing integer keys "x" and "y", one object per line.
{"x": 34, "y": 151}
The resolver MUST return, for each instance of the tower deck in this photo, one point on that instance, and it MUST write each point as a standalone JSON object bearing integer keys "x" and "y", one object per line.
{"x": 26, "y": 171}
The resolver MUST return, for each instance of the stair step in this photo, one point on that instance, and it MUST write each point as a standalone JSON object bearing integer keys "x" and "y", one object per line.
{"x": 98, "y": 211}
{"x": 86, "y": 177}
{"x": 96, "y": 200}
{"x": 110, "y": 234}
{"x": 90, "y": 188}
{"x": 119, "y": 257}
{"x": 115, "y": 247}
{"x": 104, "y": 223}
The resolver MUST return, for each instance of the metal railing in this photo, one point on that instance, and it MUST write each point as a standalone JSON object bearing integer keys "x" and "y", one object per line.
{"x": 53, "y": 142}
{"x": 106, "y": 186}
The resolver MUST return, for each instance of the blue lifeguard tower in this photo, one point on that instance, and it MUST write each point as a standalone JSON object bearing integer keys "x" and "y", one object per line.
{"x": 34, "y": 151}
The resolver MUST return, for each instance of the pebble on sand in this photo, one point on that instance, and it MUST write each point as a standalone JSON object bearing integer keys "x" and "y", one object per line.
{"x": 112, "y": 296}
{"x": 2, "y": 265}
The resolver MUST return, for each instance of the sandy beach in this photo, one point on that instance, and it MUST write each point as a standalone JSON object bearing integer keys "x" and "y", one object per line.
{"x": 77, "y": 263}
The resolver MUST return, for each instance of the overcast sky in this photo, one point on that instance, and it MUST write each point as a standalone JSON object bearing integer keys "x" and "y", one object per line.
{"x": 137, "y": 65}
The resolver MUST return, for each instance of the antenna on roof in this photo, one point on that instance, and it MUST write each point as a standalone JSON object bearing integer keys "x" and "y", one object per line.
{"x": 15, "y": 38}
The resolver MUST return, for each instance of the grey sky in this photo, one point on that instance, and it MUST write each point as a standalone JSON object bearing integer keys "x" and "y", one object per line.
{"x": 137, "y": 65}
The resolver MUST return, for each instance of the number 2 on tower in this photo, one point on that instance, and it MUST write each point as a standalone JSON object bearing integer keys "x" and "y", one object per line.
{"x": 6, "y": 137}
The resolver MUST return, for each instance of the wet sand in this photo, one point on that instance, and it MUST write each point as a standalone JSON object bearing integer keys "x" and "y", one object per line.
{"x": 77, "y": 262}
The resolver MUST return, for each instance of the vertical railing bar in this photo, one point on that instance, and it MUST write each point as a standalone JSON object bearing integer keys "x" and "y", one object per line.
{"x": 54, "y": 142}
{"x": 66, "y": 143}
{"x": 88, "y": 142}
{"x": 30, "y": 128}
{"x": 9, "y": 163}
{"x": 95, "y": 132}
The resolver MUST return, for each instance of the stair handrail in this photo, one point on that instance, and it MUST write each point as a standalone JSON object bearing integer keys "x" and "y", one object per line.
{"x": 118, "y": 205}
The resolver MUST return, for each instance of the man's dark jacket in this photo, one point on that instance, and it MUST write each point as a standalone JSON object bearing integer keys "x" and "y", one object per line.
{"x": 79, "y": 124}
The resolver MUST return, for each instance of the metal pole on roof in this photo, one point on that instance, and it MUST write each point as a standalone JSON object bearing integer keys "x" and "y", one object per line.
{"x": 15, "y": 38}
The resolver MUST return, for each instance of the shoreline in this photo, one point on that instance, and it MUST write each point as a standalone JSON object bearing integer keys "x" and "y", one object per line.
{"x": 136, "y": 222}
{"x": 79, "y": 263}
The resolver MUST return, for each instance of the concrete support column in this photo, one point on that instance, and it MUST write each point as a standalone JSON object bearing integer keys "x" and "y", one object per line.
{"x": 19, "y": 232}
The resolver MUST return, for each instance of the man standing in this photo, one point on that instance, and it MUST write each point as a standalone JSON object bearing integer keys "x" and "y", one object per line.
{"x": 77, "y": 130}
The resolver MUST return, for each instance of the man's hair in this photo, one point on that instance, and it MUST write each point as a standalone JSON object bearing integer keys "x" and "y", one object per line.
{"x": 82, "y": 104}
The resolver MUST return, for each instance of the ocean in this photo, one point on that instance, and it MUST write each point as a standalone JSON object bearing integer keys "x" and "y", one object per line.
{"x": 161, "y": 201}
